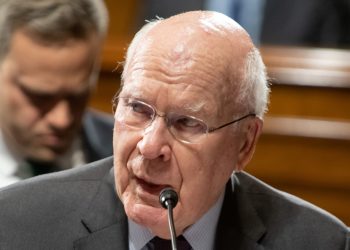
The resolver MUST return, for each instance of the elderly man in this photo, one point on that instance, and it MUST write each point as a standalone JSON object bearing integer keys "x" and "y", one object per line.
{"x": 49, "y": 62}
{"x": 188, "y": 117}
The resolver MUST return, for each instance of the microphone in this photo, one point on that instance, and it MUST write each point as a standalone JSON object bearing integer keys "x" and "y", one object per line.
{"x": 168, "y": 199}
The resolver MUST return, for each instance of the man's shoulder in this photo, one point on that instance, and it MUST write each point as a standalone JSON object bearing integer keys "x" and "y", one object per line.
{"x": 65, "y": 191}
{"x": 287, "y": 218}
{"x": 268, "y": 200}
{"x": 97, "y": 119}
{"x": 97, "y": 134}
{"x": 48, "y": 209}
{"x": 48, "y": 184}
{"x": 98, "y": 127}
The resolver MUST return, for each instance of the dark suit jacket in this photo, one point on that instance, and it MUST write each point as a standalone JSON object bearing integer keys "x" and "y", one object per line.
{"x": 78, "y": 209}
{"x": 324, "y": 23}
{"x": 97, "y": 135}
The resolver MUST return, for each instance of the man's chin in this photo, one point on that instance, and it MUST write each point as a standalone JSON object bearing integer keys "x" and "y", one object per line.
{"x": 45, "y": 154}
{"x": 145, "y": 214}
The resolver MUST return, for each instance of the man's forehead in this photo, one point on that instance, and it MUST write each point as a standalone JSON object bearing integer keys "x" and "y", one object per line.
{"x": 181, "y": 98}
{"x": 182, "y": 55}
{"x": 203, "y": 34}
{"x": 186, "y": 72}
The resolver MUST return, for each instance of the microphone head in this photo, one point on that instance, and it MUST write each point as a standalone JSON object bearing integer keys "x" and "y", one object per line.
{"x": 168, "y": 196}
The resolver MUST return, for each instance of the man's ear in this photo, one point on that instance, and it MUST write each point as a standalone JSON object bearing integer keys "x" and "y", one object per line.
{"x": 250, "y": 134}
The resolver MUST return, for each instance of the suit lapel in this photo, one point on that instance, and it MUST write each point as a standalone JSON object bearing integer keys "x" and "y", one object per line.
{"x": 111, "y": 237}
{"x": 239, "y": 225}
{"x": 105, "y": 220}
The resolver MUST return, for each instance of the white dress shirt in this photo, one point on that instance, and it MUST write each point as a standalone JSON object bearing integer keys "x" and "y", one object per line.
{"x": 8, "y": 165}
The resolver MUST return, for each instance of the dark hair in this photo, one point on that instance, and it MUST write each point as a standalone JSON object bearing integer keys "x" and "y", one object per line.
{"x": 51, "y": 21}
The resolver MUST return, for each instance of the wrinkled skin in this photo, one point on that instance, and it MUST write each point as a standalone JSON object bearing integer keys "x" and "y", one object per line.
{"x": 44, "y": 92}
{"x": 186, "y": 74}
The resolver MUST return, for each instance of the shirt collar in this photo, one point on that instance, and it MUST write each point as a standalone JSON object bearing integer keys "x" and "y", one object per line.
{"x": 200, "y": 235}
{"x": 9, "y": 164}
{"x": 139, "y": 236}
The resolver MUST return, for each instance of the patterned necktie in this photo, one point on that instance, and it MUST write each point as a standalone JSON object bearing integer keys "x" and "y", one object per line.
{"x": 160, "y": 244}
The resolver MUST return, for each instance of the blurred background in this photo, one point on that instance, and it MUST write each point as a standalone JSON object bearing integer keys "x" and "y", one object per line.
{"x": 305, "y": 146}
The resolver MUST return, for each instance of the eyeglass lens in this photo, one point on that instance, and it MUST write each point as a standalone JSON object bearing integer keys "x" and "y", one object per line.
{"x": 140, "y": 115}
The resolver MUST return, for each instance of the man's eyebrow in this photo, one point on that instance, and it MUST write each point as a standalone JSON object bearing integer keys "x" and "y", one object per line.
{"x": 196, "y": 109}
{"x": 31, "y": 91}
{"x": 40, "y": 92}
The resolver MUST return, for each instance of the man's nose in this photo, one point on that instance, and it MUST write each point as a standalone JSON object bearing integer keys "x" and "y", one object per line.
{"x": 60, "y": 116}
{"x": 155, "y": 141}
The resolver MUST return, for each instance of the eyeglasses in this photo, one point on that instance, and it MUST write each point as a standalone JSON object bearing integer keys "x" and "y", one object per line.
{"x": 139, "y": 115}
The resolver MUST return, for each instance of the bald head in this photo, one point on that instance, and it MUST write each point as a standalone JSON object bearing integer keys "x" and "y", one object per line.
{"x": 191, "y": 32}
{"x": 209, "y": 40}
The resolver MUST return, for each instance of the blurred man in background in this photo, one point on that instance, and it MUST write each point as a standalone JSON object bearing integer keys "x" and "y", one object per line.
{"x": 49, "y": 63}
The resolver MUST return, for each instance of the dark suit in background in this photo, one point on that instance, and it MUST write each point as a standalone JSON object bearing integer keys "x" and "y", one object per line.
{"x": 79, "y": 209}
{"x": 324, "y": 23}
{"x": 97, "y": 134}
{"x": 149, "y": 9}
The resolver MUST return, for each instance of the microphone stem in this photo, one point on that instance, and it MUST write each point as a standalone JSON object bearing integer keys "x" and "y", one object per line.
{"x": 171, "y": 226}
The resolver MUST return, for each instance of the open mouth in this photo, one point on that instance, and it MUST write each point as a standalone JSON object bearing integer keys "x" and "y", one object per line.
{"x": 150, "y": 188}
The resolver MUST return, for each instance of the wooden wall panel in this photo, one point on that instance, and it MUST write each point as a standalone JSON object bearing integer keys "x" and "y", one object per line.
{"x": 308, "y": 101}
{"x": 305, "y": 145}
